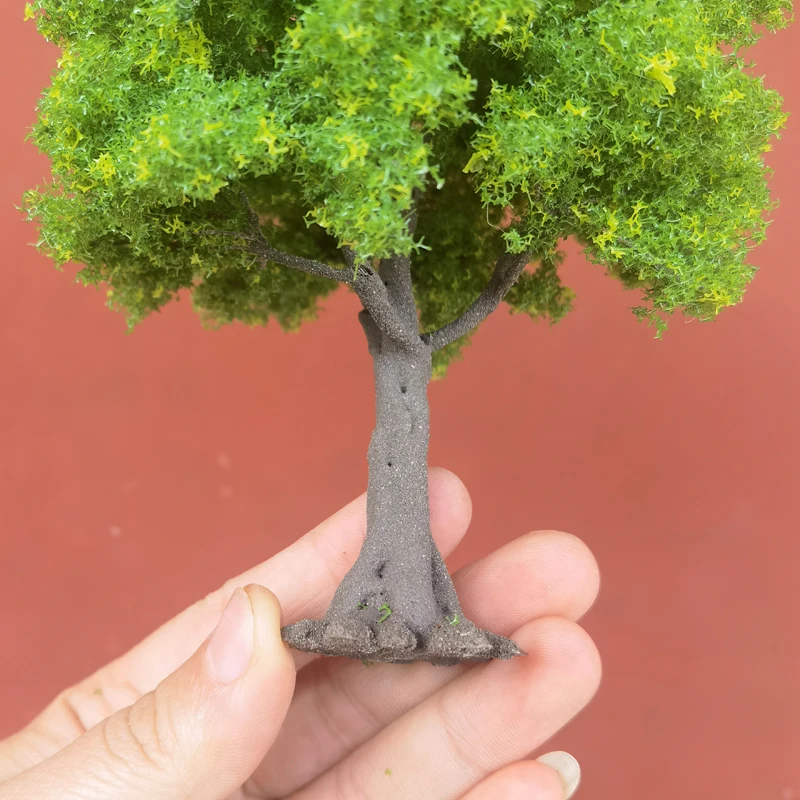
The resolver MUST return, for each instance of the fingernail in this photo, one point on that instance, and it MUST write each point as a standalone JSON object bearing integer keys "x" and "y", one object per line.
{"x": 568, "y": 769}
{"x": 231, "y": 644}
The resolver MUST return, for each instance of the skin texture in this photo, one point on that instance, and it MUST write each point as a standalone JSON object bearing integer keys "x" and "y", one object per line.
{"x": 154, "y": 723}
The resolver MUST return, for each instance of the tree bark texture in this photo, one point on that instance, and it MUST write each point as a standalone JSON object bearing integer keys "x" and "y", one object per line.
{"x": 397, "y": 602}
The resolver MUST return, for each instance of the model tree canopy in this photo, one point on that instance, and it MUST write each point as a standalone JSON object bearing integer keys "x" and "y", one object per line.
{"x": 632, "y": 126}
{"x": 431, "y": 155}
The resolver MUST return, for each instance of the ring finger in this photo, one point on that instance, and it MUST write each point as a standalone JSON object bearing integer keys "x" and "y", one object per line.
{"x": 490, "y": 716}
{"x": 339, "y": 704}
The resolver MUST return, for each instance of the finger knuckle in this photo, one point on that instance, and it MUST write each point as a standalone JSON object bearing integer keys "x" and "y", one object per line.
{"x": 143, "y": 736}
{"x": 347, "y": 782}
{"x": 464, "y": 743}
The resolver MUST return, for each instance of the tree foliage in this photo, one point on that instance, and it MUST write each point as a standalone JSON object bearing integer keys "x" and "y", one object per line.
{"x": 633, "y": 126}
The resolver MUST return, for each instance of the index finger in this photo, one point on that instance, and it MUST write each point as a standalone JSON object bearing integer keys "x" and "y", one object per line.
{"x": 304, "y": 577}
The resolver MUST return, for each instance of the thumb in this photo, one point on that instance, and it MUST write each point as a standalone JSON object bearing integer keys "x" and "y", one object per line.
{"x": 199, "y": 734}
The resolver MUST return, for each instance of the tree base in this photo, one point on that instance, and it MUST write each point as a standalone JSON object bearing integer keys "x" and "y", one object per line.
{"x": 390, "y": 640}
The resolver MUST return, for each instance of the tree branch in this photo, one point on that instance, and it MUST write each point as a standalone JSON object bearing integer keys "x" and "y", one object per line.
{"x": 395, "y": 273}
{"x": 506, "y": 271}
{"x": 371, "y": 331}
{"x": 363, "y": 279}
{"x": 395, "y": 283}
{"x": 384, "y": 314}
{"x": 258, "y": 245}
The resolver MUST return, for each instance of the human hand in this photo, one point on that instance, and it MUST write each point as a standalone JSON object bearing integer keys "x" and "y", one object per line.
{"x": 212, "y": 706}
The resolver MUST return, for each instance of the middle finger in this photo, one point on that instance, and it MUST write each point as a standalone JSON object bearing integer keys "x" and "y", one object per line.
{"x": 488, "y": 718}
{"x": 339, "y": 704}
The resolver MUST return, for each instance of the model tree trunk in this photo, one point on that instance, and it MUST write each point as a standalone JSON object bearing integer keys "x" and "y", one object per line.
{"x": 335, "y": 141}
{"x": 398, "y": 603}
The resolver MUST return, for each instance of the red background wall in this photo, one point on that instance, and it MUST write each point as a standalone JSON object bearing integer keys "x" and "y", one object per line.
{"x": 137, "y": 472}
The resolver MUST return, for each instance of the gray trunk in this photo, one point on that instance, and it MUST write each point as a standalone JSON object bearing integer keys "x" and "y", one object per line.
{"x": 399, "y": 566}
{"x": 397, "y": 602}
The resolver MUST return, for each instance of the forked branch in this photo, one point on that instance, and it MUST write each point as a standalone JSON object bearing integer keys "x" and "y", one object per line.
{"x": 365, "y": 281}
{"x": 506, "y": 271}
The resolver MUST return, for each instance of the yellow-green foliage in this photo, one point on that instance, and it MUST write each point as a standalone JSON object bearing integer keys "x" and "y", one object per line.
{"x": 629, "y": 125}
{"x": 637, "y": 130}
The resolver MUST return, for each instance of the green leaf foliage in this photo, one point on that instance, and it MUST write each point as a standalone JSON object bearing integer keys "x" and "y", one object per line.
{"x": 638, "y": 131}
{"x": 632, "y": 126}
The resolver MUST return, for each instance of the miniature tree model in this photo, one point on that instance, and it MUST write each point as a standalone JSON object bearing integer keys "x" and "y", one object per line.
{"x": 428, "y": 154}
